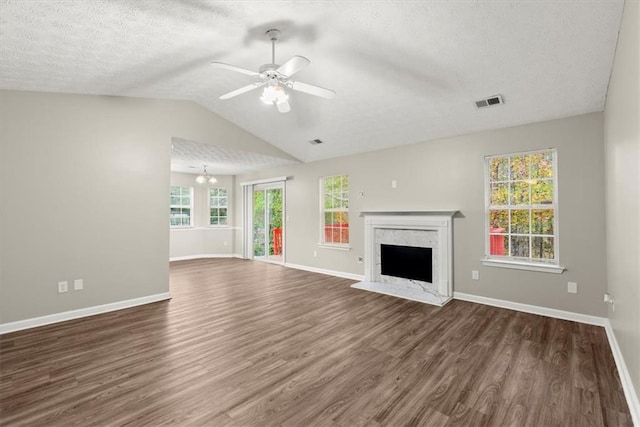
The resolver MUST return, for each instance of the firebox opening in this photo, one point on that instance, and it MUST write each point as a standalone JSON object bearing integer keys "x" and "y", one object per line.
{"x": 407, "y": 262}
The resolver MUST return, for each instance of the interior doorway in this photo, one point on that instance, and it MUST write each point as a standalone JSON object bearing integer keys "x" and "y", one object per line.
{"x": 268, "y": 222}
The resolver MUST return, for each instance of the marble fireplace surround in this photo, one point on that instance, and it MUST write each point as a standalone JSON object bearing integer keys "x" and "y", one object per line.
{"x": 432, "y": 229}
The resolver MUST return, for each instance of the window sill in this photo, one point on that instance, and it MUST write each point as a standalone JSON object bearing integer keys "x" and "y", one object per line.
{"x": 335, "y": 247}
{"x": 203, "y": 227}
{"x": 519, "y": 265}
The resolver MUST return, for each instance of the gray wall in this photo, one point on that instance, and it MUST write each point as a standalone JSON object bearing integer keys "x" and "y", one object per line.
{"x": 84, "y": 184}
{"x": 622, "y": 153}
{"x": 201, "y": 238}
{"x": 448, "y": 174}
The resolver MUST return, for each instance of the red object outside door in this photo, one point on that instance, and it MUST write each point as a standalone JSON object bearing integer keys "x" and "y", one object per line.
{"x": 277, "y": 241}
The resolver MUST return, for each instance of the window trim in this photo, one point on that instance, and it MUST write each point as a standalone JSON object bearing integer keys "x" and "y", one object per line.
{"x": 549, "y": 266}
{"x": 520, "y": 265}
{"x": 336, "y": 246}
{"x": 209, "y": 208}
{"x": 191, "y": 194}
{"x": 321, "y": 242}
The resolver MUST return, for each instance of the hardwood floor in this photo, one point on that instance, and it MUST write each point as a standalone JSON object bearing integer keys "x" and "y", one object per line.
{"x": 246, "y": 343}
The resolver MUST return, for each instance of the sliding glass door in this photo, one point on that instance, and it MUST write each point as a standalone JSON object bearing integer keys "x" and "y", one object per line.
{"x": 268, "y": 206}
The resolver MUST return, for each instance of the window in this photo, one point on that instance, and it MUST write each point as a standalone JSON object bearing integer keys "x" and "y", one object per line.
{"x": 180, "y": 206}
{"x": 521, "y": 210}
{"x": 334, "y": 193}
{"x": 218, "y": 205}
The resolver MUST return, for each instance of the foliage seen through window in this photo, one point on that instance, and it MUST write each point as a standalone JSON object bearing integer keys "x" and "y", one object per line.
{"x": 522, "y": 206}
{"x": 335, "y": 210}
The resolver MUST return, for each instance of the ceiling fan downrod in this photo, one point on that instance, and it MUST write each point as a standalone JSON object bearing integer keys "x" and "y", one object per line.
{"x": 273, "y": 36}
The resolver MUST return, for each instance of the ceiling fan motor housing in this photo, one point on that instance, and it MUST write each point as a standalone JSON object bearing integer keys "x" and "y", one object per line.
{"x": 266, "y": 68}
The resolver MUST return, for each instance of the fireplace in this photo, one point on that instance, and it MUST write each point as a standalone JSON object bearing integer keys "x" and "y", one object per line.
{"x": 409, "y": 255}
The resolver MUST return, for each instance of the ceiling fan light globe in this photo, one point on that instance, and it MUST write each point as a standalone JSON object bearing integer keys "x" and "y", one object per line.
{"x": 212, "y": 180}
{"x": 282, "y": 99}
{"x": 267, "y": 100}
{"x": 269, "y": 94}
{"x": 201, "y": 179}
{"x": 274, "y": 94}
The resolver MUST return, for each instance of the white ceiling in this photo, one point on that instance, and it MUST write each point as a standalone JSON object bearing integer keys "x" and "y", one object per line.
{"x": 190, "y": 157}
{"x": 404, "y": 72}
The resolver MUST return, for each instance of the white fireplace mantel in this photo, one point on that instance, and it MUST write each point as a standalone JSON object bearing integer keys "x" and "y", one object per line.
{"x": 446, "y": 213}
{"x": 439, "y": 224}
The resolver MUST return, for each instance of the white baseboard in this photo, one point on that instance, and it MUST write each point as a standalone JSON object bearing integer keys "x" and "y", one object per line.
{"x": 625, "y": 377}
{"x": 533, "y": 309}
{"x": 342, "y": 274}
{"x": 201, "y": 256}
{"x": 82, "y": 312}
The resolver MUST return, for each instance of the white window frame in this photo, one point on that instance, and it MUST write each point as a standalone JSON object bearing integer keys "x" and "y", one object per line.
{"x": 190, "y": 225}
{"x": 521, "y": 263}
{"x": 226, "y": 196}
{"x": 323, "y": 243}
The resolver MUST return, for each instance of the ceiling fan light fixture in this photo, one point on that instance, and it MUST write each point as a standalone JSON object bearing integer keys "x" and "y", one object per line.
{"x": 274, "y": 94}
{"x": 276, "y": 79}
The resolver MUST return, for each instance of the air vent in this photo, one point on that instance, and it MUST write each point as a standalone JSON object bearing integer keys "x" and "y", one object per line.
{"x": 489, "y": 102}
{"x": 315, "y": 141}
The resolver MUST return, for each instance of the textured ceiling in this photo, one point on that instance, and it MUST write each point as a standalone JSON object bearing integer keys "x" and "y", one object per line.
{"x": 404, "y": 72}
{"x": 190, "y": 156}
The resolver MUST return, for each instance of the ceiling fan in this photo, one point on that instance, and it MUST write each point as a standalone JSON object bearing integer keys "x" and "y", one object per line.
{"x": 276, "y": 79}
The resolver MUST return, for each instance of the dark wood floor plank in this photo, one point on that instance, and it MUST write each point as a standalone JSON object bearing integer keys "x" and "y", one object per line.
{"x": 486, "y": 396}
{"x": 246, "y": 343}
{"x": 466, "y": 417}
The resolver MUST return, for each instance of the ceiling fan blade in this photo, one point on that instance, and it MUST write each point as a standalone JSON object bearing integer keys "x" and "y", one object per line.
{"x": 293, "y": 65}
{"x": 313, "y": 90}
{"x": 283, "y": 107}
{"x": 242, "y": 90}
{"x": 234, "y": 68}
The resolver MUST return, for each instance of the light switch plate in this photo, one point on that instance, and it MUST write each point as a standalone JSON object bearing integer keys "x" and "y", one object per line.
{"x": 78, "y": 285}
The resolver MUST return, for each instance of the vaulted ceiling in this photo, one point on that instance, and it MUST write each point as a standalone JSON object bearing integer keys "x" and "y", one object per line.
{"x": 403, "y": 71}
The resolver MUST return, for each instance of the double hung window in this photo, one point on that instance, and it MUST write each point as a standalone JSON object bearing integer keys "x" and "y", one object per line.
{"x": 522, "y": 208}
{"x": 180, "y": 206}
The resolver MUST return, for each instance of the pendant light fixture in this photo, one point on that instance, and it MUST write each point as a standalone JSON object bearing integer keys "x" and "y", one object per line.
{"x": 205, "y": 178}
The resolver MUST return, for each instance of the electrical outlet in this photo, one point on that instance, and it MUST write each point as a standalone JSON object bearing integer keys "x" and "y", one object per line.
{"x": 78, "y": 285}
{"x": 475, "y": 275}
{"x": 360, "y": 259}
{"x": 226, "y": 243}
{"x": 394, "y": 184}
{"x": 315, "y": 253}
{"x": 572, "y": 287}
{"x": 63, "y": 287}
